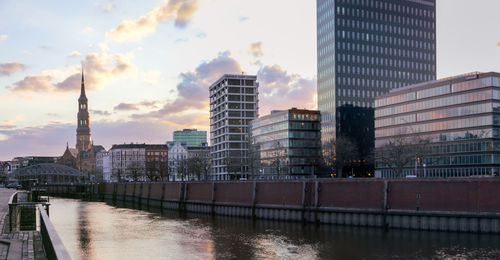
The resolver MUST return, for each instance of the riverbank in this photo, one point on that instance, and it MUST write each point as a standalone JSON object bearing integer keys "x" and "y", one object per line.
{"x": 458, "y": 204}
{"x": 118, "y": 230}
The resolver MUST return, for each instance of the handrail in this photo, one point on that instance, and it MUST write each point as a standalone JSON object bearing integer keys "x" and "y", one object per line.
{"x": 54, "y": 248}
{"x": 14, "y": 195}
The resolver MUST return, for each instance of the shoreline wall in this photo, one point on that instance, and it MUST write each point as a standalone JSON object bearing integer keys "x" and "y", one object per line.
{"x": 458, "y": 204}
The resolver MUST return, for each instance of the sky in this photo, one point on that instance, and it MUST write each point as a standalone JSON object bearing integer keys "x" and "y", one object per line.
{"x": 148, "y": 64}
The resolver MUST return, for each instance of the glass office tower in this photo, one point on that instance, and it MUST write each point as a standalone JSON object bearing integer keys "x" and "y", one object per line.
{"x": 364, "y": 49}
{"x": 457, "y": 120}
{"x": 286, "y": 144}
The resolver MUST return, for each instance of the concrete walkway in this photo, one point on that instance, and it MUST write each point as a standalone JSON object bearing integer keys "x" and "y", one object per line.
{"x": 19, "y": 244}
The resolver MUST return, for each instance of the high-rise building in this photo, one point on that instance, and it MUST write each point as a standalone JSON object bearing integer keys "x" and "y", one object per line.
{"x": 444, "y": 128}
{"x": 192, "y": 137}
{"x": 286, "y": 144}
{"x": 233, "y": 104}
{"x": 83, "y": 136}
{"x": 364, "y": 49}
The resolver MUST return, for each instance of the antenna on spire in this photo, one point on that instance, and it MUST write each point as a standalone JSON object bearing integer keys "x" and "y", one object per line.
{"x": 82, "y": 72}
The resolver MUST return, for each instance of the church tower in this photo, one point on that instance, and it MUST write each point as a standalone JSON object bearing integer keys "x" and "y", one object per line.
{"x": 83, "y": 137}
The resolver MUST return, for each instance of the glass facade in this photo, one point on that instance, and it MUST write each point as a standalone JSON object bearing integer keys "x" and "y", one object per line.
{"x": 458, "y": 117}
{"x": 286, "y": 144}
{"x": 191, "y": 137}
{"x": 233, "y": 104}
{"x": 364, "y": 49}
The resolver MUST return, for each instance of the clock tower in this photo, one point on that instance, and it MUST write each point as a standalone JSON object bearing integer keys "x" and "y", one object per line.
{"x": 83, "y": 136}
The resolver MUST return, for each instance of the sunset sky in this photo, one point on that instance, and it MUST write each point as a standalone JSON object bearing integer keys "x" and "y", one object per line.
{"x": 148, "y": 64}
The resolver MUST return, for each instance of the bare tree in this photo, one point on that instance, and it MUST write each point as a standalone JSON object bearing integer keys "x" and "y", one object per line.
{"x": 338, "y": 152}
{"x": 205, "y": 165}
{"x": 253, "y": 158}
{"x": 119, "y": 174}
{"x": 152, "y": 166}
{"x": 400, "y": 150}
{"x": 182, "y": 168}
{"x": 164, "y": 169}
{"x": 135, "y": 170}
{"x": 278, "y": 158}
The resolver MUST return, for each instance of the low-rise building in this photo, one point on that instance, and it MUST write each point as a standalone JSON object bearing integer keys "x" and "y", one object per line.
{"x": 128, "y": 162}
{"x": 177, "y": 160}
{"x": 443, "y": 128}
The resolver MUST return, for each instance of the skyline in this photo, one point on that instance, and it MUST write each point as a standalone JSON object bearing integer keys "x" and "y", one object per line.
{"x": 136, "y": 96}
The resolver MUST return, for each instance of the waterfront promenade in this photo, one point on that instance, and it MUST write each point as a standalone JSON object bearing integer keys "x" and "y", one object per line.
{"x": 18, "y": 244}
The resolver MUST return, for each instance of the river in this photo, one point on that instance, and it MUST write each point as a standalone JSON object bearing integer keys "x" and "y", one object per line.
{"x": 101, "y": 230}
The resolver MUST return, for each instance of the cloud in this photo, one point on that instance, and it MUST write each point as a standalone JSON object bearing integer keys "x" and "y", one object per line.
{"x": 10, "y": 67}
{"x": 135, "y": 106}
{"x": 87, "y": 30}
{"x": 281, "y": 90}
{"x": 179, "y": 11}
{"x": 50, "y": 139}
{"x": 75, "y": 54}
{"x": 99, "y": 68}
{"x": 152, "y": 77}
{"x": 99, "y": 112}
{"x": 32, "y": 83}
{"x": 192, "y": 91}
{"x": 149, "y": 103}
{"x": 107, "y": 7}
{"x": 125, "y": 107}
{"x": 7, "y": 124}
{"x": 256, "y": 49}
{"x": 3, "y": 37}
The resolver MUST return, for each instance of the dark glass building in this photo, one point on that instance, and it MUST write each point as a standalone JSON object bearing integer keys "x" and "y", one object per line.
{"x": 286, "y": 144}
{"x": 364, "y": 49}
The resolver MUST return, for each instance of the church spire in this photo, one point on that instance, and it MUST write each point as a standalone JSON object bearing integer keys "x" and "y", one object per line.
{"x": 82, "y": 91}
{"x": 83, "y": 136}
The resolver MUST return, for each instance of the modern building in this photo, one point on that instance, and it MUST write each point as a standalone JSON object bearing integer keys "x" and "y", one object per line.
{"x": 233, "y": 104}
{"x": 286, "y": 144}
{"x": 444, "y": 128}
{"x": 191, "y": 137}
{"x": 366, "y": 48}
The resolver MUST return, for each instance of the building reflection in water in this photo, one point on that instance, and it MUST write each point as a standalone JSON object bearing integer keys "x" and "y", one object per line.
{"x": 96, "y": 230}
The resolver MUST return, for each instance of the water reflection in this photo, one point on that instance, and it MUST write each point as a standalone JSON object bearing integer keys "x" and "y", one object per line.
{"x": 98, "y": 230}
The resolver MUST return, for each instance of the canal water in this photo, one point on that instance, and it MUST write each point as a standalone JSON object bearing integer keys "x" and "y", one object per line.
{"x": 103, "y": 230}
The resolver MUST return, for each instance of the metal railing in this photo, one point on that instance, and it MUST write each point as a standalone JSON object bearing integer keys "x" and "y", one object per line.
{"x": 54, "y": 248}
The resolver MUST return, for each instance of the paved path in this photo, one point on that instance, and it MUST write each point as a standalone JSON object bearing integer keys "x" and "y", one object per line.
{"x": 4, "y": 209}
{"x": 21, "y": 244}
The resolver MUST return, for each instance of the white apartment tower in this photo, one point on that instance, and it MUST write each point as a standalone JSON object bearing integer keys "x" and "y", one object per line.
{"x": 233, "y": 104}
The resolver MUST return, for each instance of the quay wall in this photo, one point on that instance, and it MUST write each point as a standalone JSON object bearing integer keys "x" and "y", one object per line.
{"x": 455, "y": 204}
